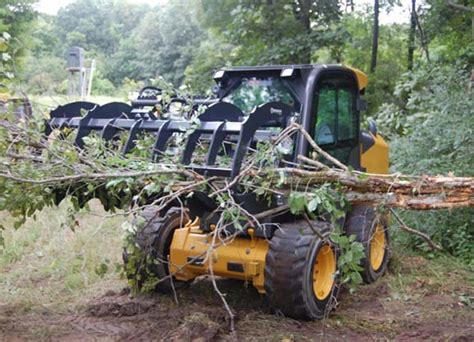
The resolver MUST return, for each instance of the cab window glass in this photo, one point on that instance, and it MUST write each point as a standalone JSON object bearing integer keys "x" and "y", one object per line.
{"x": 346, "y": 116}
{"x": 336, "y": 117}
{"x": 253, "y": 92}
{"x": 325, "y": 125}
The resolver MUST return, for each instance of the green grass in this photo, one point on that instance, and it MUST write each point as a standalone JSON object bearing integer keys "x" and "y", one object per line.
{"x": 45, "y": 262}
{"x": 413, "y": 277}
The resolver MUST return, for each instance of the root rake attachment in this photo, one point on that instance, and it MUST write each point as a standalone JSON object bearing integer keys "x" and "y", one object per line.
{"x": 222, "y": 124}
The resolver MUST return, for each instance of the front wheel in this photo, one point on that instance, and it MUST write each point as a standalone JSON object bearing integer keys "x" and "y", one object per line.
{"x": 372, "y": 231}
{"x": 153, "y": 240}
{"x": 301, "y": 272}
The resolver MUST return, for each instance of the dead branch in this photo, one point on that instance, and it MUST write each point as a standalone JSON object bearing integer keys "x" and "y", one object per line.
{"x": 90, "y": 176}
{"x": 460, "y": 7}
{"x": 425, "y": 237}
{"x": 318, "y": 149}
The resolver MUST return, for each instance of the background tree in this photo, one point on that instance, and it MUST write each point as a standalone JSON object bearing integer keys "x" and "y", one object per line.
{"x": 375, "y": 37}
{"x": 15, "y": 18}
{"x": 411, "y": 37}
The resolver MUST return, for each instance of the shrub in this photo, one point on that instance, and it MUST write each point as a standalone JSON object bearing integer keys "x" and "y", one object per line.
{"x": 433, "y": 133}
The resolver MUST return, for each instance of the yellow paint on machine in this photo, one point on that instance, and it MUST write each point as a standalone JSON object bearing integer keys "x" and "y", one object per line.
{"x": 240, "y": 258}
{"x": 362, "y": 78}
{"x": 375, "y": 159}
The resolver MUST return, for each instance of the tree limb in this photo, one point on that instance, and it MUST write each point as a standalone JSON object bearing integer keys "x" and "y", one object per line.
{"x": 425, "y": 237}
{"x": 460, "y": 7}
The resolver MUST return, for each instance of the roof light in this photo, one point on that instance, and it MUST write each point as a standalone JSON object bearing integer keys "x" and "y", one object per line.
{"x": 287, "y": 72}
{"x": 218, "y": 75}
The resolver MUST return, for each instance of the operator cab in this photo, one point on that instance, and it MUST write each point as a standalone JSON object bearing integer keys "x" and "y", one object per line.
{"x": 326, "y": 100}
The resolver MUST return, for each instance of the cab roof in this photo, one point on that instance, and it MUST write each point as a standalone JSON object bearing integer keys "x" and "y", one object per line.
{"x": 362, "y": 78}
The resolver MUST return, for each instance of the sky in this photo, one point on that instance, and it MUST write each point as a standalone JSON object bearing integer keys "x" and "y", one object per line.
{"x": 399, "y": 14}
{"x": 52, "y": 6}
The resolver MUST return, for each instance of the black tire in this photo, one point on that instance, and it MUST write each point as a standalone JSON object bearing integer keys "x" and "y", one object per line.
{"x": 154, "y": 240}
{"x": 362, "y": 222}
{"x": 289, "y": 270}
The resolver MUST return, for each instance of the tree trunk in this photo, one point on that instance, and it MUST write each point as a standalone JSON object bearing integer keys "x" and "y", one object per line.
{"x": 306, "y": 20}
{"x": 375, "y": 37}
{"x": 411, "y": 36}
{"x": 416, "y": 193}
{"x": 423, "y": 39}
{"x": 350, "y": 5}
{"x": 303, "y": 15}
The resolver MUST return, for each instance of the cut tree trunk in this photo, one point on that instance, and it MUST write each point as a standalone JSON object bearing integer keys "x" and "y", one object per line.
{"x": 418, "y": 193}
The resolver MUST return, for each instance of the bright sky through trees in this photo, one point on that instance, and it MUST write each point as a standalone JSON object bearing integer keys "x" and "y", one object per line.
{"x": 399, "y": 14}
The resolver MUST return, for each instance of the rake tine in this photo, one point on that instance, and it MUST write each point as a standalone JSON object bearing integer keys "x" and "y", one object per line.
{"x": 217, "y": 138}
{"x": 162, "y": 137}
{"x": 132, "y": 137}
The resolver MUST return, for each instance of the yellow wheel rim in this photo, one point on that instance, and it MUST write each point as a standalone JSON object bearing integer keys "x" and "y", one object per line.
{"x": 377, "y": 247}
{"x": 324, "y": 271}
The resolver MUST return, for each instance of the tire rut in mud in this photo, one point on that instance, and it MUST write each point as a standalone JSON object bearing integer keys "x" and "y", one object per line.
{"x": 125, "y": 318}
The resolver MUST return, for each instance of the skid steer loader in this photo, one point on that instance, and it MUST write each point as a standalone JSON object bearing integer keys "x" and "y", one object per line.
{"x": 283, "y": 257}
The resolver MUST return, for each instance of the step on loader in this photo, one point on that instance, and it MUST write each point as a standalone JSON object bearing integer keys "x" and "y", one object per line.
{"x": 295, "y": 264}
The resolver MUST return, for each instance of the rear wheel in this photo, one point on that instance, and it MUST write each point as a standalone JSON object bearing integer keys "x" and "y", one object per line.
{"x": 301, "y": 279}
{"x": 372, "y": 232}
{"x": 154, "y": 242}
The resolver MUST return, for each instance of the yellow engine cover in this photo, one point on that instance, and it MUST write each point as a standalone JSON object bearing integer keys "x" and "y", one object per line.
{"x": 375, "y": 159}
{"x": 192, "y": 254}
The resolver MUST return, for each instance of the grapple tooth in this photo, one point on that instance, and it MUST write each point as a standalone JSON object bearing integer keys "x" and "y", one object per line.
{"x": 217, "y": 138}
{"x": 191, "y": 146}
{"x": 222, "y": 111}
{"x": 109, "y": 130}
{"x": 72, "y": 109}
{"x": 132, "y": 136}
{"x": 162, "y": 137}
{"x": 97, "y": 118}
{"x": 62, "y": 114}
{"x": 212, "y": 122}
{"x": 273, "y": 114}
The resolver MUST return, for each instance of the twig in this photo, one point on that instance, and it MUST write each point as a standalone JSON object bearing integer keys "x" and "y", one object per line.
{"x": 213, "y": 278}
{"x": 460, "y": 7}
{"x": 425, "y": 237}
{"x": 91, "y": 176}
{"x": 273, "y": 211}
{"x": 318, "y": 149}
{"x": 312, "y": 162}
{"x": 315, "y": 231}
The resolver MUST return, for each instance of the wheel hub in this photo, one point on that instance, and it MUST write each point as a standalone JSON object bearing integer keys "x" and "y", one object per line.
{"x": 324, "y": 271}
{"x": 377, "y": 247}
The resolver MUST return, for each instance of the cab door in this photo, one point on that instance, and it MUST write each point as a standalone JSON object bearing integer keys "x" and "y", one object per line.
{"x": 335, "y": 119}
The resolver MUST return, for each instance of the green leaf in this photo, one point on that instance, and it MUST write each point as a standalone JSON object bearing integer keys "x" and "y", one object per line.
{"x": 313, "y": 204}
{"x": 356, "y": 278}
{"x": 297, "y": 202}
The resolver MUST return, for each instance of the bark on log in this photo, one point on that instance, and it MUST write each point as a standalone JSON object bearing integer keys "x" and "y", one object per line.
{"x": 417, "y": 193}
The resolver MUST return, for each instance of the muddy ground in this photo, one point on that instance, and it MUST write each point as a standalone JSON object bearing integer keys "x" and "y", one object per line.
{"x": 416, "y": 301}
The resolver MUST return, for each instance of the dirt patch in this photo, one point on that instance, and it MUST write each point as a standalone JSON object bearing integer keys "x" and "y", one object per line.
{"x": 196, "y": 327}
{"x": 377, "y": 311}
{"x": 120, "y": 308}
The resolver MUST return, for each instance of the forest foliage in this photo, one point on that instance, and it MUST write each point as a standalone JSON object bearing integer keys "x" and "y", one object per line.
{"x": 424, "y": 108}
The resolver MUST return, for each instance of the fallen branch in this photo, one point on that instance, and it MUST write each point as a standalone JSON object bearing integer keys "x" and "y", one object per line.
{"x": 407, "y": 229}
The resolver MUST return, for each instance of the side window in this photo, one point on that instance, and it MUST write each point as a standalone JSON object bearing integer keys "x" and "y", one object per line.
{"x": 325, "y": 125}
{"x": 347, "y": 120}
{"x": 336, "y": 117}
